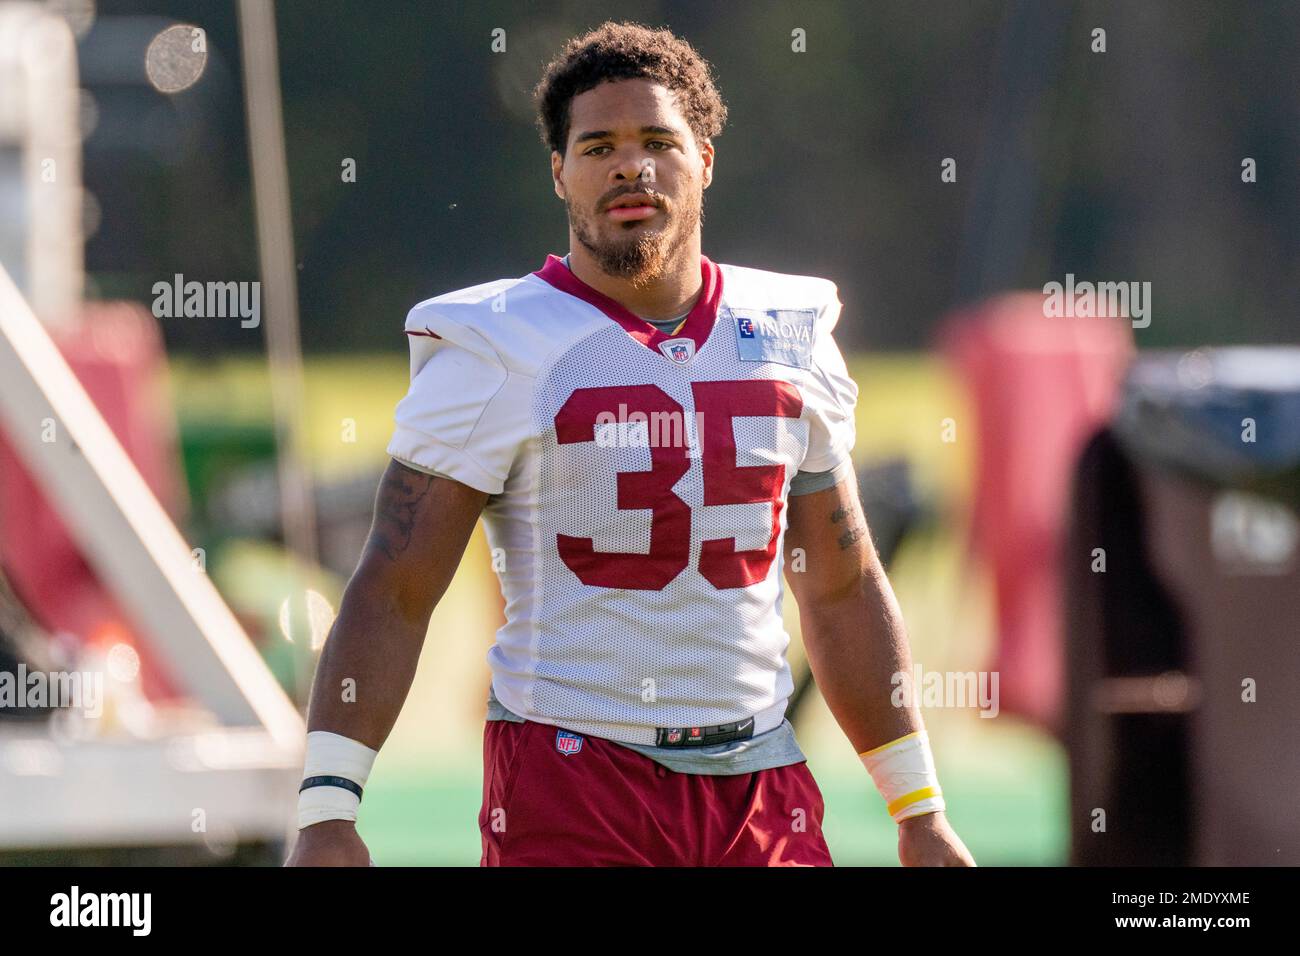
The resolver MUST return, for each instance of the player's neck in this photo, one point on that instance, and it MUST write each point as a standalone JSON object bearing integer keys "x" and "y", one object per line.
{"x": 670, "y": 295}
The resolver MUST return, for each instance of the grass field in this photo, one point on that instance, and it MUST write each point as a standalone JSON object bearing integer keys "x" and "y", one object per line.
{"x": 1004, "y": 780}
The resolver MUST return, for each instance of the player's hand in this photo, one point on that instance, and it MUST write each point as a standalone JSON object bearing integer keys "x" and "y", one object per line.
{"x": 929, "y": 840}
{"x": 332, "y": 843}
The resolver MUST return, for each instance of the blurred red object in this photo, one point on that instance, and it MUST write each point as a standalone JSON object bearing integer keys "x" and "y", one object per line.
{"x": 1040, "y": 387}
{"x": 116, "y": 351}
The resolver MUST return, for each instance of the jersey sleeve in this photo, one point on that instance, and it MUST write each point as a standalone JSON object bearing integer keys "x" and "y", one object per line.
{"x": 830, "y": 397}
{"x": 465, "y": 414}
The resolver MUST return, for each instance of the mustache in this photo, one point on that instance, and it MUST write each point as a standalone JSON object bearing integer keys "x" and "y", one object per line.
{"x": 656, "y": 197}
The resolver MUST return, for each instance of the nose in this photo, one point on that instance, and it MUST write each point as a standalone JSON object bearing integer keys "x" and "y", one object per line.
{"x": 633, "y": 167}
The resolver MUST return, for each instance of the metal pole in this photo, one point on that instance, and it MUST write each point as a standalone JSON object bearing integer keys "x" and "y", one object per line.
{"x": 124, "y": 532}
{"x": 279, "y": 280}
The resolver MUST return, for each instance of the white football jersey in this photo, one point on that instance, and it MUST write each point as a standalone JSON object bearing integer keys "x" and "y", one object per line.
{"x": 638, "y": 484}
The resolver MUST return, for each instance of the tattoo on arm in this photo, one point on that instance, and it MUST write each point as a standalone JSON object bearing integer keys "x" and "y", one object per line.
{"x": 853, "y": 533}
{"x": 396, "y": 508}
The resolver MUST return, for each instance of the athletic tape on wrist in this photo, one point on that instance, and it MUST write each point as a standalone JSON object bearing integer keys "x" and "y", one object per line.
{"x": 333, "y": 755}
{"x": 904, "y": 773}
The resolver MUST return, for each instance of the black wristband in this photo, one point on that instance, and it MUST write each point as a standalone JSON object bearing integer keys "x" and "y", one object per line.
{"x": 343, "y": 782}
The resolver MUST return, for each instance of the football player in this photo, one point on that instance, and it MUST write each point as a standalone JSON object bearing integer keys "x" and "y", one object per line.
{"x": 651, "y": 438}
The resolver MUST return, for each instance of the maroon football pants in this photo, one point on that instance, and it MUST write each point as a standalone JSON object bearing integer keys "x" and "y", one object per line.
{"x": 552, "y": 798}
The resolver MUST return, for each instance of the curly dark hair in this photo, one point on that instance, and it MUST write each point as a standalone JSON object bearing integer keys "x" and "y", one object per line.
{"x": 623, "y": 51}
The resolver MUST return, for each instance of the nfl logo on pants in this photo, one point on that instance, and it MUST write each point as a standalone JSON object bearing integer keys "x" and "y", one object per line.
{"x": 567, "y": 743}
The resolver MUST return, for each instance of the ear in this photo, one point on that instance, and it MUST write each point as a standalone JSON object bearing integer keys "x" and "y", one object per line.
{"x": 706, "y": 155}
{"x": 557, "y": 173}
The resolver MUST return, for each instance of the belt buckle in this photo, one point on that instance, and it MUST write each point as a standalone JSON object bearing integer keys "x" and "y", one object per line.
{"x": 704, "y": 736}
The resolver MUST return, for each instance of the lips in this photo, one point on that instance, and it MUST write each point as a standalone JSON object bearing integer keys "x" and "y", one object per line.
{"x": 630, "y": 213}
{"x": 628, "y": 208}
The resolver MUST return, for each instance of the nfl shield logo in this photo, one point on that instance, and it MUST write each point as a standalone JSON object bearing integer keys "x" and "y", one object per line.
{"x": 680, "y": 351}
{"x": 567, "y": 743}
{"x": 674, "y": 736}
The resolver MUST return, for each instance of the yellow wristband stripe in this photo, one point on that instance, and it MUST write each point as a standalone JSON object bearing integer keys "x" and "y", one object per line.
{"x": 907, "y": 799}
{"x": 890, "y": 744}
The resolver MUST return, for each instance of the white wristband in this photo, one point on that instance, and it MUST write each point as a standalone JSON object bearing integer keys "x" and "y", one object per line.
{"x": 333, "y": 755}
{"x": 904, "y": 773}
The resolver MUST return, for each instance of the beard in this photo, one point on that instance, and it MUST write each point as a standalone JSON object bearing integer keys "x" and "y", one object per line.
{"x": 642, "y": 256}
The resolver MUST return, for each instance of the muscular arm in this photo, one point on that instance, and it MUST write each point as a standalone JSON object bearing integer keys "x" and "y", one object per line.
{"x": 852, "y": 626}
{"x": 853, "y": 633}
{"x": 421, "y": 526}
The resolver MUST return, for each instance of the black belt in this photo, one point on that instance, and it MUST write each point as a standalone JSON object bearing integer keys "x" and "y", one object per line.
{"x": 704, "y": 736}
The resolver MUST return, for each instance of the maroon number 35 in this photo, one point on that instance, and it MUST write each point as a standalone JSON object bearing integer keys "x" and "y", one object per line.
{"x": 670, "y": 517}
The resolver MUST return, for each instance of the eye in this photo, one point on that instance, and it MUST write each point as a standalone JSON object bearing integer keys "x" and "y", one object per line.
{"x": 592, "y": 151}
{"x": 660, "y": 142}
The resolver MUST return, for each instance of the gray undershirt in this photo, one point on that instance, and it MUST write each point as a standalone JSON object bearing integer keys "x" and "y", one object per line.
{"x": 775, "y": 748}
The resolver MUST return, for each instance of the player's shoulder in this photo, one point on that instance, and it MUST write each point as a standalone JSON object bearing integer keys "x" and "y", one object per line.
{"x": 504, "y": 321}
{"x": 748, "y": 287}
